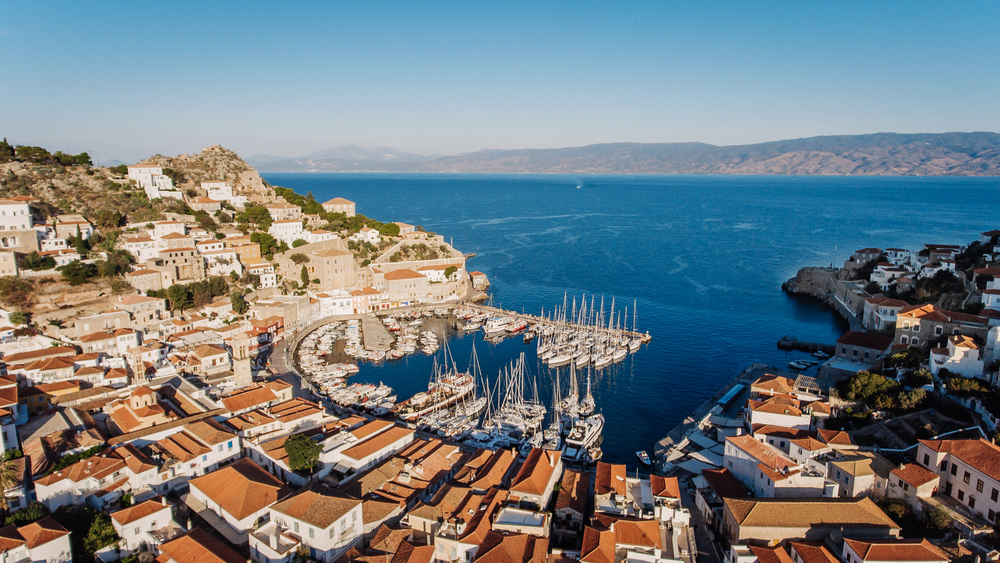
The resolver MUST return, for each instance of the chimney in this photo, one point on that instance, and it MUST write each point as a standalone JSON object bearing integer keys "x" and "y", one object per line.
{"x": 163, "y": 501}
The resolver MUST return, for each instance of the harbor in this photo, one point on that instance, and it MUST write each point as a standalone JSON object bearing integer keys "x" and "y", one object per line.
{"x": 501, "y": 410}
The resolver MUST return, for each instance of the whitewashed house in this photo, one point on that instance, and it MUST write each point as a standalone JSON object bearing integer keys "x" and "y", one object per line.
{"x": 335, "y": 302}
{"x": 135, "y": 524}
{"x": 151, "y": 179}
{"x": 962, "y": 356}
{"x": 327, "y": 525}
{"x": 367, "y": 235}
{"x": 288, "y": 231}
{"x": 222, "y": 191}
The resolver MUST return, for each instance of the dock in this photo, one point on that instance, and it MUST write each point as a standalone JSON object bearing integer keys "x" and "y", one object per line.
{"x": 789, "y": 343}
{"x": 375, "y": 335}
{"x": 541, "y": 322}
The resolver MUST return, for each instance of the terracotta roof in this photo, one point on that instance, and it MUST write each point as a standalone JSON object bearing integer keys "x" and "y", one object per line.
{"x": 10, "y": 538}
{"x": 573, "y": 491}
{"x": 248, "y": 398}
{"x": 598, "y": 546}
{"x": 370, "y": 428}
{"x": 241, "y": 489}
{"x": 763, "y": 453}
{"x": 209, "y": 431}
{"x": 813, "y": 552}
{"x": 136, "y": 461}
{"x": 780, "y": 432}
{"x": 320, "y": 510}
{"x": 95, "y": 336}
{"x": 913, "y": 474}
{"x": 610, "y": 478}
{"x": 128, "y": 515}
{"x": 775, "y": 383}
{"x": 932, "y": 313}
{"x": 807, "y": 512}
{"x": 980, "y": 453}
{"x": 403, "y": 274}
{"x": 505, "y": 548}
{"x": 22, "y": 357}
{"x": 338, "y": 201}
{"x": 42, "y": 532}
{"x": 379, "y": 442}
{"x": 810, "y": 444}
{"x": 536, "y": 471}
{"x": 865, "y": 340}
{"x": 665, "y": 486}
{"x": 199, "y": 546}
{"x": 775, "y": 554}
{"x": 644, "y": 533}
{"x": 835, "y": 437}
{"x": 896, "y": 550}
{"x": 183, "y": 446}
{"x": 97, "y": 467}
{"x": 724, "y": 483}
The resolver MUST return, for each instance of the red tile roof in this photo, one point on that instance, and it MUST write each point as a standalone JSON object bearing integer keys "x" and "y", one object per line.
{"x": 980, "y": 453}
{"x": 199, "y": 546}
{"x": 128, "y": 515}
{"x": 896, "y": 550}
{"x": 241, "y": 489}
{"x": 913, "y": 474}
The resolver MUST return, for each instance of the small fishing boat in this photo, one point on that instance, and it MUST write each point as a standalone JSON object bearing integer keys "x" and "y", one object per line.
{"x": 798, "y": 365}
{"x": 821, "y": 354}
{"x": 643, "y": 457}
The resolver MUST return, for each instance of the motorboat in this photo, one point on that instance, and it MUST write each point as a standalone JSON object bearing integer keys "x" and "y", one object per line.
{"x": 644, "y": 457}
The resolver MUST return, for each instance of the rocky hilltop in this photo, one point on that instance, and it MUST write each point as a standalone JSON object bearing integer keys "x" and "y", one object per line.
{"x": 931, "y": 154}
{"x": 86, "y": 189}
{"x": 215, "y": 164}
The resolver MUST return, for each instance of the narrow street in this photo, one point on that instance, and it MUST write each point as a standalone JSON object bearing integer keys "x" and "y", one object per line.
{"x": 706, "y": 547}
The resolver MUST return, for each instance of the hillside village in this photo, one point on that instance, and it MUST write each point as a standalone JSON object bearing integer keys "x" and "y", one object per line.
{"x": 140, "y": 419}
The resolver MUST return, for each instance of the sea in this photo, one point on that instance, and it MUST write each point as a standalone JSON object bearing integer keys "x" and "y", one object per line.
{"x": 698, "y": 261}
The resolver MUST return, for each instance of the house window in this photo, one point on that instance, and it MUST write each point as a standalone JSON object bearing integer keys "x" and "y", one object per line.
{"x": 944, "y": 465}
{"x": 312, "y": 534}
{"x": 993, "y": 496}
{"x": 961, "y": 495}
{"x": 136, "y": 531}
{"x": 992, "y": 515}
{"x": 220, "y": 447}
{"x": 954, "y": 469}
{"x": 972, "y": 501}
{"x": 939, "y": 330}
{"x": 903, "y": 340}
{"x": 915, "y": 341}
{"x": 296, "y": 526}
{"x": 979, "y": 485}
{"x": 966, "y": 477}
{"x": 927, "y": 459}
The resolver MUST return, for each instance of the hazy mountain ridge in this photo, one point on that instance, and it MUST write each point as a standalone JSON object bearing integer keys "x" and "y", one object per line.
{"x": 931, "y": 154}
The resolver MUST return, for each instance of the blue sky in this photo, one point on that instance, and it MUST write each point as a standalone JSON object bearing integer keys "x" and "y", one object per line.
{"x": 126, "y": 80}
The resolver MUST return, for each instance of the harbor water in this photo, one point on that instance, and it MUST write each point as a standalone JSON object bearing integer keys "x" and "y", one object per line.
{"x": 701, "y": 257}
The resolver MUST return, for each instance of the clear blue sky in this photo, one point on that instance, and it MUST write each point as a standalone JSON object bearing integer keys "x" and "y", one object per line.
{"x": 129, "y": 79}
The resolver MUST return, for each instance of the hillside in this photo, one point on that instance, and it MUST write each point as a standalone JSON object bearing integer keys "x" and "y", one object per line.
{"x": 85, "y": 189}
{"x": 930, "y": 154}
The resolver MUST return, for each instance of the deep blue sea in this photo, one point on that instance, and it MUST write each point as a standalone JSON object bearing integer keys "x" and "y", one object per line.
{"x": 703, "y": 257}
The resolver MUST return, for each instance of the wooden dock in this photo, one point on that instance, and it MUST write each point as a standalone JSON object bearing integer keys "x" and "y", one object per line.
{"x": 541, "y": 321}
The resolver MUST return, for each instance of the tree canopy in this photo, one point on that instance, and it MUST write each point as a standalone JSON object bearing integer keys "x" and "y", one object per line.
{"x": 303, "y": 452}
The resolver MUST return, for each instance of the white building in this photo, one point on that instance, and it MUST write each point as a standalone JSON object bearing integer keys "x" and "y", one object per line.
{"x": 240, "y": 493}
{"x": 969, "y": 471}
{"x": 164, "y": 228}
{"x": 266, "y": 273}
{"x": 335, "y": 302}
{"x": 135, "y": 525}
{"x": 221, "y": 262}
{"x": 222, "y": 191}
{"x": 44, "y": 540}
{"x": 151, "y": 179}
{"x": 962, "y": 356}
{"x": 319, "y": 236}
{"x": 327, "y": 525}
{"x": 15, "y": 215}
{"x": 367, "y": 235}
{"x": 288, "y": 231}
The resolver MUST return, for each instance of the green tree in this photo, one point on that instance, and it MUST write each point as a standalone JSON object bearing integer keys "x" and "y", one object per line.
{"x": 267, "y": 244}
{"x": 938, "y": 518}
{"x": 34, "y": 261}
{"x": 120, "y": 169}
{"x": 389, "y": 230}
{"x": 19, "y": 318}
{"x": 10, "y": 477}
{"x": 16, "y": 292}
{"x": 239, "y": 303}
{"x": 6, "y": 151}
{"x": 449, "y": 271}
{"x": 299, "y": 258}
{"x": 31, "y": 513}
{"x": 179, "y": 296}
{"x": 298, "y": 242}
{"x": 34, "y": 155}
{"x": 107, "y": 219}
{"x": 76, "y": 273}
{"x": 303, "y": 452}
{"x": 304, "y": 274}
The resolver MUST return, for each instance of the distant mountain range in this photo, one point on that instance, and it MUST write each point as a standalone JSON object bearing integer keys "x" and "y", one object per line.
{"x": 930, "y": 154}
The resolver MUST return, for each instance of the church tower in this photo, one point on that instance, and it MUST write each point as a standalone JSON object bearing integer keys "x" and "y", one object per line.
{"x": 241, "y": 360}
